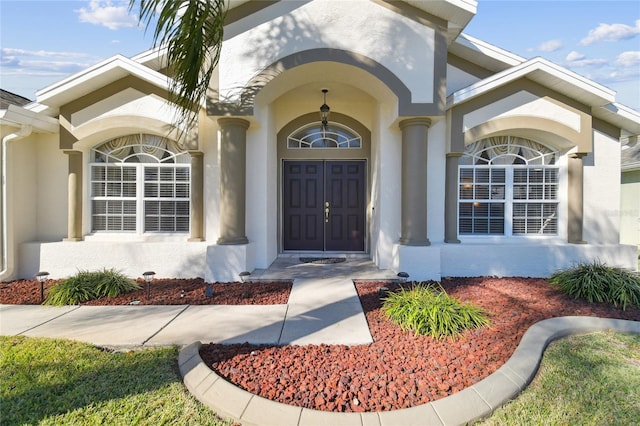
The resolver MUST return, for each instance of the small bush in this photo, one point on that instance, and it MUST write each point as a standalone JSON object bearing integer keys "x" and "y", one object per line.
{"x": 111, "y": 283}
{"x": 428, "y": 311}
{"x": 86, "y": 285}
{"x": 597, "y": 282}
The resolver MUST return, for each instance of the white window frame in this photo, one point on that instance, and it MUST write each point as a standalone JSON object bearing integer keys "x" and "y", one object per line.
{"x": 333, "y": 136}
{"x": 142, "y": 157}
{"x": 544, "y": 161}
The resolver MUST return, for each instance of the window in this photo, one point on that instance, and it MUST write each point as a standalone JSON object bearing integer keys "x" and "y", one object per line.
{"x": 140, "y": 183}
{"x": 508, "y": 186}
{"x": 316, "y": 135}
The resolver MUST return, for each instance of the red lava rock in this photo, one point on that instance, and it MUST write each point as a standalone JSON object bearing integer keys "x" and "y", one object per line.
{"x": 163, "y": 292}
{"x": 415, "y": 369}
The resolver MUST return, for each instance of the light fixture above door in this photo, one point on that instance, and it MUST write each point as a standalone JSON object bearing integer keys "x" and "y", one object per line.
{"x": 324, "y": 111}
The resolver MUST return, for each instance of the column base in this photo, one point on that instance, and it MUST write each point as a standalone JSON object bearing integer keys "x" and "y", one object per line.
{"x": 222, "y": 241}
{"x": 71, "y": 240}
{"x": 225, "y": 262}
{"x": 414, "y": 243}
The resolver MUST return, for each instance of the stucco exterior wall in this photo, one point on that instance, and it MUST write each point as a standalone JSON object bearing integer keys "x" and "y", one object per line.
{"x": 285, "y": 28}
{"x": 630, "y": 208}
{"x": 522, "y": 104}
{"x": 602, "y": 191}
{"x": 51, "y": 190}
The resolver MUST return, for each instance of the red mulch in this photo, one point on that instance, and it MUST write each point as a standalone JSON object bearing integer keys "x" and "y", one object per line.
{"x": 164, "y": 292}
{"x": 399, "y": 369}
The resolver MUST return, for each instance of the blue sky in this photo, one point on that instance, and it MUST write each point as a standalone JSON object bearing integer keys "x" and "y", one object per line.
{"x": 44, "y": 41}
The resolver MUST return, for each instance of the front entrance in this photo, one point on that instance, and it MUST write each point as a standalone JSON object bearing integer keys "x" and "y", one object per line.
{"x": 324, "y": 205}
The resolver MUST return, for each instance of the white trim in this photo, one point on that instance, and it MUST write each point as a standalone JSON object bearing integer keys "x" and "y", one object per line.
{"x": 552, "y": 71}
{"x": 98, "y": 76}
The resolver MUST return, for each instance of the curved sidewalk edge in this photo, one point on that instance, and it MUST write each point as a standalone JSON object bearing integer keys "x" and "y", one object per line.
{"x": 473, "y": 403}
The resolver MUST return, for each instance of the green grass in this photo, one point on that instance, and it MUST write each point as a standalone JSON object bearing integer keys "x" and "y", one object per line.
{"x": 60, "y": 382}
{"x": 432, "y": 312}
{"x": 583, "y": 380}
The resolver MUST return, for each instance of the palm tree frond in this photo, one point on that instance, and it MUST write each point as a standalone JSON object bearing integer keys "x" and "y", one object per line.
{"x": 192, "y": 32}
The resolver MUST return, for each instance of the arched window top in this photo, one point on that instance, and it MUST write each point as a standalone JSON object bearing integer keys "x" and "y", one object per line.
{"x": 140, "y": 148}
{"x": 316, "y": 135}
{"x": 508, "y": 150}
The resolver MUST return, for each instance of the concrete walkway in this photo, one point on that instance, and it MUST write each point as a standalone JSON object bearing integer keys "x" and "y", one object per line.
{"x": 319, "y": 311}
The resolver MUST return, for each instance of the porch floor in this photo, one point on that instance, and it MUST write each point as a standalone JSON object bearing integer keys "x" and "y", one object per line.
{"x": 354, "y": 267}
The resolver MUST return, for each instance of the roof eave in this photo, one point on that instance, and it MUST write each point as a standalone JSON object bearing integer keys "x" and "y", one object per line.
{"x": 95, "y": 77}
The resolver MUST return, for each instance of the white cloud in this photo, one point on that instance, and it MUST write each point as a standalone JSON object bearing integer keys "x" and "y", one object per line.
{"x": 628, "y": 59}
{"x": 578, "y": 60}
{"x": 113, "y": 15}
{"x": 574, "y": 56}
{"x": 549, "y": 46}
{"x": 611, "y": 32}
{"x": 8, "y": 51}
{"x": 41, "y": 62}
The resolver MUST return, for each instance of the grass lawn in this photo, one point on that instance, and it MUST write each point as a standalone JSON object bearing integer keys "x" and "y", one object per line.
{"x": 54, "y": 382}
{"x": 583, "y": 380}
{"x": 586, "y": 380}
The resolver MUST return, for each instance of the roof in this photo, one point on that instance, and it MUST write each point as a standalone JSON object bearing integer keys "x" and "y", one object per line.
{"x": 8, "y": 98}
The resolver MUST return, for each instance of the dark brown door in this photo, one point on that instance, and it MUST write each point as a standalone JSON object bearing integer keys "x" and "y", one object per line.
{"x": 323, "y": 205}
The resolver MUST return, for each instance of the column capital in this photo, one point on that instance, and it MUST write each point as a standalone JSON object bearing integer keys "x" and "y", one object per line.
{"x": 196, "y": 153}
{"x": 233, "y": 122}
{"x": 578, "y": 155}
{"x": 454, "y": 154}
{"x": 416, "y": 121}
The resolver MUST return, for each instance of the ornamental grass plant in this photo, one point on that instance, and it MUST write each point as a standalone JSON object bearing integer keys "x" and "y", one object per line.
{"x": 598, "y": 283}
{"x": 430, "y": 311}
{"x": 89, "y": 285}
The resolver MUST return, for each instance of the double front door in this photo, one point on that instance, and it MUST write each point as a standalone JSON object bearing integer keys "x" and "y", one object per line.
{"x": 324, "y": 205}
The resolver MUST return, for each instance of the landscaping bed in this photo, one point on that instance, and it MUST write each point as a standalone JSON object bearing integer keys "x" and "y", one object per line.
{"x": 399, "y": 369}
{"x": 164, "y": 292}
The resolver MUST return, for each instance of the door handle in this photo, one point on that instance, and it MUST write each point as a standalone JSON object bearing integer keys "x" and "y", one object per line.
{"x": 326, "y": 212}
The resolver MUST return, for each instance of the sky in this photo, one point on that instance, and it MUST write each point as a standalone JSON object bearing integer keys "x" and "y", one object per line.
{"x": 45, "y": 41}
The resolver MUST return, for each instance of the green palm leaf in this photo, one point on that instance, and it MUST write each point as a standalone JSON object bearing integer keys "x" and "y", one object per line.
{"x": 192, "y": 32}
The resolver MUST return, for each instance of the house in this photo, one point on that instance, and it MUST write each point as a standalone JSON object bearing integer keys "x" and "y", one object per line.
{"x": 441, "y": 155}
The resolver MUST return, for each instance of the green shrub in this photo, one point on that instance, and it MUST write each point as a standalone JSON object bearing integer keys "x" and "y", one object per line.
{"x": 86, "y": 285}
{"x": 597, "y": 282}
{"x": 428, "y": 311}
{"x": 111, "y": 283}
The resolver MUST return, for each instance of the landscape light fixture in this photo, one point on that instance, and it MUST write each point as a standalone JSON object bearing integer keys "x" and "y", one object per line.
{"x": 244, "y": 277}
{"x": 403, "y": 277}
{"x": 208, "y": 292}
{"x": 148, "y": 277}
{"x": 324, "y": 111}
{"x": 42, "y": 277}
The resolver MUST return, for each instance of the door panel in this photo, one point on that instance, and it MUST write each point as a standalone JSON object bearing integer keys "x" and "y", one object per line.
{"x": 303, "y": 213}
{"x": 346, "y": 197}
{"x": 307, "y": 187}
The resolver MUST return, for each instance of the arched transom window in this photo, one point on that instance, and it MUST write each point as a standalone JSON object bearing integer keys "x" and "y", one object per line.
{"x": 508, "y": 186}
{"x": 140, "y": 183}
{"x": 318, "y": 136}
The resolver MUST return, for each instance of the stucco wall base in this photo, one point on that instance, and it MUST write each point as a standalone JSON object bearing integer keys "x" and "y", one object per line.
{"x": 63, "y": 259}
{"x": 530, "y": 260}
{"x": 422, "y": 263}
{"x": 225, "y": 262}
